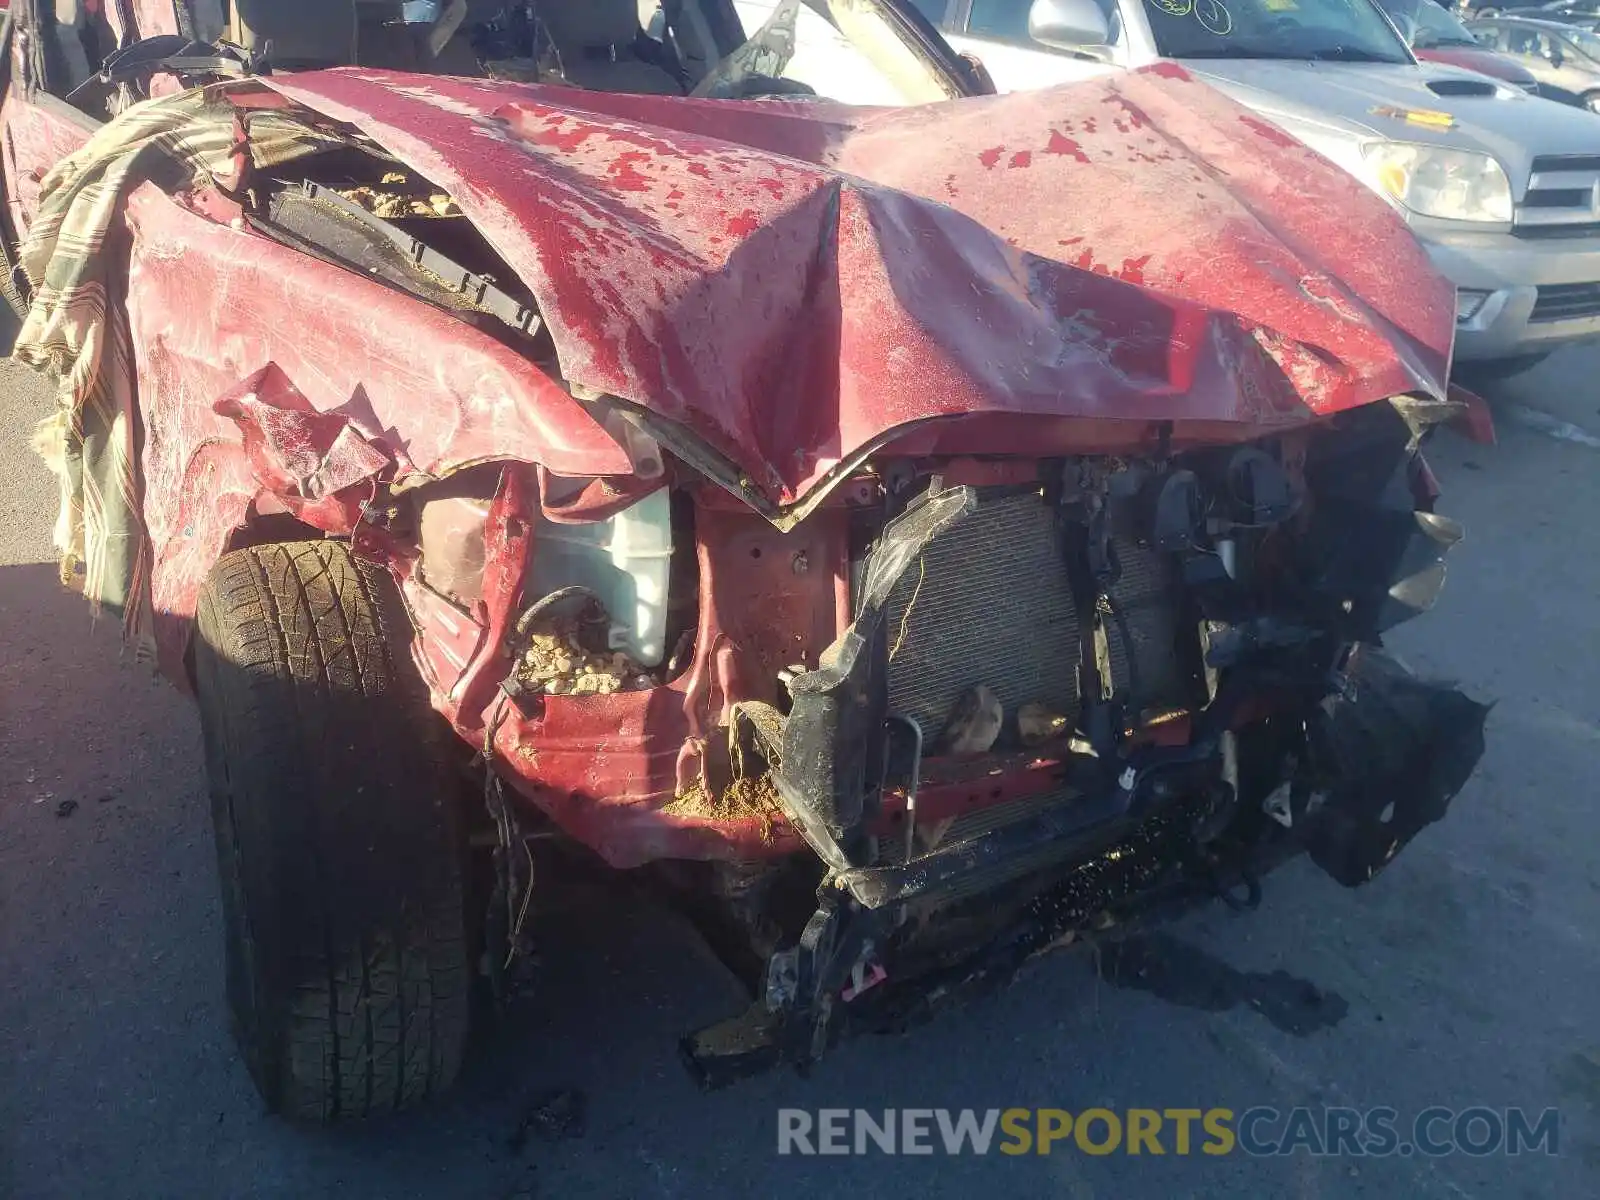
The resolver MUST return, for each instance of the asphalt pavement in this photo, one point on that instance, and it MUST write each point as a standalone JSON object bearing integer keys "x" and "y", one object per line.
{"x": 1468, "y": 975}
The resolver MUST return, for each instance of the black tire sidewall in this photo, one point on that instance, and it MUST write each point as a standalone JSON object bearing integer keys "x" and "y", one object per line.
{"x": 339, "y": 848}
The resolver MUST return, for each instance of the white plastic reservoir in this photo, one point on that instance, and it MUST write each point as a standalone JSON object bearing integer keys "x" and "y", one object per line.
{"x": 625, "y": 561}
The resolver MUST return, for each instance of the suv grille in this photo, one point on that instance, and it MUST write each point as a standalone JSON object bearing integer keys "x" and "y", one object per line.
{"x": 1564, "y": 301}
{"x": 1563, "y": 197}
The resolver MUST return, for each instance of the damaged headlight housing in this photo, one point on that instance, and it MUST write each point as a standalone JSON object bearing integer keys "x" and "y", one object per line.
{"x": 1452, "y": 185}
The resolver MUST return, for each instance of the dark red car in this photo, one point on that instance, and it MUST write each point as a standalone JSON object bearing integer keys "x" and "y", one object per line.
{"x": 1437, "y": 35}
{"x": 914, "y": 536}
{"x": 1484, "y": 62}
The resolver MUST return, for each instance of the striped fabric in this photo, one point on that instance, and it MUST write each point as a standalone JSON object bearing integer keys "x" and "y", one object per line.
{"x": 75, "y": 257}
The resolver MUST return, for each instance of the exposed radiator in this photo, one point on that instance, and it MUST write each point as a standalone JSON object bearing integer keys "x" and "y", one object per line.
{"x": 989, "y": 604}
{"x": 993, "y": 607}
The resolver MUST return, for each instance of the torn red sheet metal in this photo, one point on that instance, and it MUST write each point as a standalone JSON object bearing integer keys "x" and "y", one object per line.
{"x": 615, "y": 770}
{"x": 796, "y": 282}
{"x": 1476, "y": 422}
{"x": 347, "y": 348}
{"x": 34, "y": 137}
{"x": 314, "y": 463}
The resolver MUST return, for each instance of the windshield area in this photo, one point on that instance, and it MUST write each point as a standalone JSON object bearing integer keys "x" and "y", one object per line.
{"x": 1588, "y": 43}
{"x": 851, "y": 51}
{"x": 1305, "y": 30}
{"x": 1428, "y": 26}
{"x": 840, "y": 49}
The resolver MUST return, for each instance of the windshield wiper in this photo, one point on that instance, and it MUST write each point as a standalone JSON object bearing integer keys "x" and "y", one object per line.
{"x": 1348, "y": 54}
{"x": 1327, "y": 54}
{"x": 1236, "y": 52}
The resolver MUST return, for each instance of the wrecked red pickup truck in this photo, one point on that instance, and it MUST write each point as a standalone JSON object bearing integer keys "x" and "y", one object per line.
{"x": 920, "y": 533}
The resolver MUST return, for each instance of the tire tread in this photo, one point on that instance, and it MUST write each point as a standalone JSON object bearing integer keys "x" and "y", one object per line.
{"x": 335, "y": 804}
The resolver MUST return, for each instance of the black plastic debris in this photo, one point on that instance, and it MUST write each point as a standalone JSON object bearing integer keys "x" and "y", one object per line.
{"x": 551, "y": 1116}
{"x": 1394, "y": 750}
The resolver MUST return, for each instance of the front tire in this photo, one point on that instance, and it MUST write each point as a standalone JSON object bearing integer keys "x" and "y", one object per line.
{"x": 339, "y": 849}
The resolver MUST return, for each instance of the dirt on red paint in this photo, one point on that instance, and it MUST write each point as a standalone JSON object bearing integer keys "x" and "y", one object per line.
{"x": 1267, "y": 130}
{"x": 741, "y": 799}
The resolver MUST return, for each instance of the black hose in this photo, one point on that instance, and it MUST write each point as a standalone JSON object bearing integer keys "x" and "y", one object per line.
{"x": 541, "y": 606}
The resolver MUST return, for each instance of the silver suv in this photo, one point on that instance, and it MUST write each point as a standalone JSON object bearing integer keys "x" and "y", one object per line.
{"x": 1502, "y": 188}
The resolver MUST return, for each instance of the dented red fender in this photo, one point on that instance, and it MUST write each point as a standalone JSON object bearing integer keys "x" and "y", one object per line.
{"x": 793, "y": 283}
{"x": 342, "y": 371}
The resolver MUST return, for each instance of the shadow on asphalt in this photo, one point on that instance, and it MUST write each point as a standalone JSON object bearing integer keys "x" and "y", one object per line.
{"x": 116, "y": 973}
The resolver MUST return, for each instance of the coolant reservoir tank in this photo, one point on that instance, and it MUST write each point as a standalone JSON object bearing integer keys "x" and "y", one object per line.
{"x": 624, "y": 561}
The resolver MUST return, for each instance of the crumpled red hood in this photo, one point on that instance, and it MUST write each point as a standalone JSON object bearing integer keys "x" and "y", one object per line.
{"x": 796, "y": 282}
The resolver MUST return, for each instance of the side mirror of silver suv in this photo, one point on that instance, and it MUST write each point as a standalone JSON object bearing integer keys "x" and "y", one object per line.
{"x": 1068, "y": 24}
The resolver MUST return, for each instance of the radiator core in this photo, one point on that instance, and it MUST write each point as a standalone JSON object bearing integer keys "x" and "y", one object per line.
{"x": 989, "y": 603}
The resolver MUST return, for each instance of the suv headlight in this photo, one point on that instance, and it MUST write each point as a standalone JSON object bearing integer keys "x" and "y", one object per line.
{"x": 1454, "y": 185}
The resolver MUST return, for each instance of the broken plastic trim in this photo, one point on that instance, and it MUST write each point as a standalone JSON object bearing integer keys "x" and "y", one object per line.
{"x": 805, "y": 1010}
{"x": 1397, "y": 750}
{"x": 1379, "y": 560}
{"x": 1394, "y": 751}
{"x": 1076, "y": 830}
{"x": 174, "y": 53}
{"x": 476, "y": 291}
{"x": 834, "y": 737}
